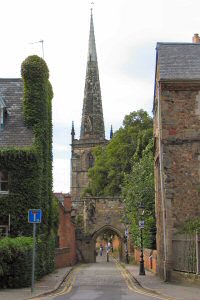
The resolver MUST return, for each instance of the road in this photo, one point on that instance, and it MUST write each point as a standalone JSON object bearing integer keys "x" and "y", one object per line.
{"x": 101, "y": 281}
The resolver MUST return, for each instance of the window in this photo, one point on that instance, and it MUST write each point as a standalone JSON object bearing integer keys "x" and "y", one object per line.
{"x": 3, "y": 181}
{"x": 90, "y": 160}
{"x": 2, "y": 113}
{"x": 4, "y": 225}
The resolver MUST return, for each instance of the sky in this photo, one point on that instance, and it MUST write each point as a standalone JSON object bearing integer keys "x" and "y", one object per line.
{"x": 126, "y": 33}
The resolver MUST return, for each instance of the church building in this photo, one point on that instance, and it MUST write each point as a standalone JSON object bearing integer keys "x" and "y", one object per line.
{"x": 92, "y": 124}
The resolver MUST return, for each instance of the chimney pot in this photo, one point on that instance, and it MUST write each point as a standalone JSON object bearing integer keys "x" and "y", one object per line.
{"x": 196, "y": 38}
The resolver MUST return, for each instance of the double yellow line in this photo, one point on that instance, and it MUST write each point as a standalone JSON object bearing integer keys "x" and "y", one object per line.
{"x": 133, "y": 287}
{"x": 70, "y": 279}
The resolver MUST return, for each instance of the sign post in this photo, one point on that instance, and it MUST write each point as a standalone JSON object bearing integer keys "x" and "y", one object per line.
{"x": 34, "y": 216}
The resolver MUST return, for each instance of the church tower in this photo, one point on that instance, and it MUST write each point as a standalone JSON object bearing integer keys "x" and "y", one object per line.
{"x": 92, "y": 123}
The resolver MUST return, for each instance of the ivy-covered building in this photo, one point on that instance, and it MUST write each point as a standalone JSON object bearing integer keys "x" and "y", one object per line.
{"x": 26, "y": 154}
{"x": 26, "y": 173}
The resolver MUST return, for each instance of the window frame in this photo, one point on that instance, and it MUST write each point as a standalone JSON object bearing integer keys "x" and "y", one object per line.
{"x": 6, "y": 191}
{"x": 2, "y": 113}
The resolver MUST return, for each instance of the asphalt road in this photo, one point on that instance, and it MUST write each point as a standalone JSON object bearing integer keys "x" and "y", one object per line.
{"x": 100, "y": 281}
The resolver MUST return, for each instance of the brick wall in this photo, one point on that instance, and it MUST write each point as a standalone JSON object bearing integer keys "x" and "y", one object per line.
{"x": 66, "y": 253}
{"x": 150, "y": 259}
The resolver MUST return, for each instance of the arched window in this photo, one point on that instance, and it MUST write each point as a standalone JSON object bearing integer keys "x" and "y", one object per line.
{"x": 90, "y": 160}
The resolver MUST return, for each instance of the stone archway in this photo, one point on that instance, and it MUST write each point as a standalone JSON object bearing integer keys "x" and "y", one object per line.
{"x": 107, "y": 227}
{"x": 116, "y": 231}
{"x": 95, "y": 215}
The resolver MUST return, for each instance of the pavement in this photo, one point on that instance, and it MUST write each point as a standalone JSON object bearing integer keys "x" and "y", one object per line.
{"x": 46, "y": 285}
{"x": 150, "y": 282}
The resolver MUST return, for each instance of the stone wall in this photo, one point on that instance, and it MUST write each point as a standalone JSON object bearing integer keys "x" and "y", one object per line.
{"x": 177, "y": 163}
{"x": 96, "y": 215}
{"x": 81, "y": 152}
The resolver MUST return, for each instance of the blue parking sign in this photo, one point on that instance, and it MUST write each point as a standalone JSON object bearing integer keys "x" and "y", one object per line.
{"x": 34, "y": 215}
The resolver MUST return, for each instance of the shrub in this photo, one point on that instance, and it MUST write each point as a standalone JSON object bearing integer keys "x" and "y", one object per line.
{"x": 15, "y": 256}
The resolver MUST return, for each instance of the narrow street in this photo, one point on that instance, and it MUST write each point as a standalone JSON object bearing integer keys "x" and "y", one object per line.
{"x": 100, "y": 281}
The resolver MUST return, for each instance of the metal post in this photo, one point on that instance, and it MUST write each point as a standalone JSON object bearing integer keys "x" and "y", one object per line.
{"x": 126, "y": 250}
{"x": 142, "y": 270}
{"x": 33, "y": 258}
{"x": 197, "y": 252}
{"x": 42, "y": 48}
{"x": 107, "y": 257}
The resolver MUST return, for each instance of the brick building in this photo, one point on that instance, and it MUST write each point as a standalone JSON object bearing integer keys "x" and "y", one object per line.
{"x": 177, "y": 146}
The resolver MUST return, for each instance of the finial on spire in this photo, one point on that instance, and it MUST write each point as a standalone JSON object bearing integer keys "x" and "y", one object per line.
{"x": 111, "y": 132}
{"x": 92, "y": 4}
{"x": 73, "y": 131}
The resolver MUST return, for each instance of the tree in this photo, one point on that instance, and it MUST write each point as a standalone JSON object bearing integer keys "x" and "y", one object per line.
{"x": 139, "y": 188}
{"x": 115, "y": 160}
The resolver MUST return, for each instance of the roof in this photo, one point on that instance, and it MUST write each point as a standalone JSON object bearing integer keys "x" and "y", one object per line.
{"x": 178, "y": 61}
{"x": 60, "y": 197}
{"x": 15, "y": 133}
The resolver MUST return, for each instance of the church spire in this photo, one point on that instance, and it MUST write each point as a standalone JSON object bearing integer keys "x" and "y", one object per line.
{"x": 92, "y": 123}
{"x": 92, "y": 54}
{"x": 73, "y": 131}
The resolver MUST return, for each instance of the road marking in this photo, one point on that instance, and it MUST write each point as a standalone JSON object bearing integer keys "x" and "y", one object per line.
{"x": 69, "y": 282}
{"x": 129, "y": 281}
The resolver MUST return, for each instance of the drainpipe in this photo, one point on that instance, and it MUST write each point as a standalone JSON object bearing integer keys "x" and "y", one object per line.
{"x": 162, "y": 183}
{"x": 197, "y": 252}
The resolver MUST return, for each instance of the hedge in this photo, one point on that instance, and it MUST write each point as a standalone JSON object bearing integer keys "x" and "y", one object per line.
{"x": 16, "y": 260}
{"x": 15, "y": 256}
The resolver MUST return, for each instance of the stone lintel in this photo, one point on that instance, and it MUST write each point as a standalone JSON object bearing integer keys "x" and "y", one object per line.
{"x": 171, "y": 85}
{"x": 175, "y": 141}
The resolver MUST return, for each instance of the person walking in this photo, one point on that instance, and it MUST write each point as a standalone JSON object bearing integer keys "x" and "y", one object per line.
{"x": 107, "y": 252}
{"x": 101, "y": 250}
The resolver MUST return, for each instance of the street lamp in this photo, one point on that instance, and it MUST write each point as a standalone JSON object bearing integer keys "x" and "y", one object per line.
{"x": 141, "y": 226}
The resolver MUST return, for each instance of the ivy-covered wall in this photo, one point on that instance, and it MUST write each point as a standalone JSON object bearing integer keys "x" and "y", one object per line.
{"x": 24, "y": 188}
{"x": 30, "y": 169}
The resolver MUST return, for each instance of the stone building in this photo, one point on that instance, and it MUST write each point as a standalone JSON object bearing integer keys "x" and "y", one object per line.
{"x": 177, "y": 149}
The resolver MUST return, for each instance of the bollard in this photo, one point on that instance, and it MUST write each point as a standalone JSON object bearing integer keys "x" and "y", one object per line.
{"x": 107, "y": 256}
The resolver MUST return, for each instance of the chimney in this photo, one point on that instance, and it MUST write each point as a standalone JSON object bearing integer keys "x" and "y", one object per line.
{"x": 196, "y": 38}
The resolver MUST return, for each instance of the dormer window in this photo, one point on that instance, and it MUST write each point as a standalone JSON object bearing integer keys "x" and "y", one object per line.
{"x": 3, "y": 182}
{"x": 2, "y": 113}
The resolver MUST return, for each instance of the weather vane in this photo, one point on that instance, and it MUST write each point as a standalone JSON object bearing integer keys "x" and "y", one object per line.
{"x": 92, "y": 4}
